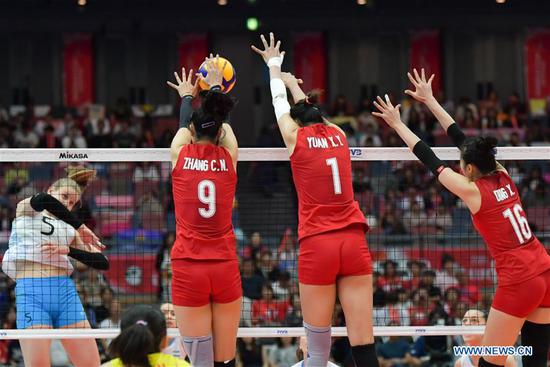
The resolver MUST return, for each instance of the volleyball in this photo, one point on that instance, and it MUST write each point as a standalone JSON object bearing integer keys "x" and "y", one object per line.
{"x": 229, "y": 75}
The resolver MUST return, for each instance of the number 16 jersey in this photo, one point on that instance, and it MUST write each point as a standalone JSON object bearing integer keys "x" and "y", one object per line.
{"x": 203, "y": 185}
{"x": 321, "y": 169}
{"x": 501, "y": 221}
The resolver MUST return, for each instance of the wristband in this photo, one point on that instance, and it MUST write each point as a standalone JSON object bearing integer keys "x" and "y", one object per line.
{"x": 427, "y": 156}
{"x": 275, "y": 61}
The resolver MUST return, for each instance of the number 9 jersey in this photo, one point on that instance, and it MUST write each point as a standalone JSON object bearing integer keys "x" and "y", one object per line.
{"x": 203, "y": 185}
{"x": 502, "y": 223}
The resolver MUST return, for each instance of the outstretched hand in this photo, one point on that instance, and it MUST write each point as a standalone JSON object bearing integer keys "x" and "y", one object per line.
{"x": 271, "y": 50}
{"x": 215, "y": 73}
{"x": 388, "y": 112}
{"x": 290, "y": 79}
{"x": 185, "y": 86}
{"x": 423, "y": 87}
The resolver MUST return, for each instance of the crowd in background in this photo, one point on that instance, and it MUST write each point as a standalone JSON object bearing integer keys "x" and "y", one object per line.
{"x": 397, "y": 198}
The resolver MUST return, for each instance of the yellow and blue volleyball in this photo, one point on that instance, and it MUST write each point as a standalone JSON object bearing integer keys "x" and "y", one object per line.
{"x": 228, "y": 72}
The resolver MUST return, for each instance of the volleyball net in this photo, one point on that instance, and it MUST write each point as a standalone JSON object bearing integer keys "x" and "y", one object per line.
{"x": 430, "y": 266}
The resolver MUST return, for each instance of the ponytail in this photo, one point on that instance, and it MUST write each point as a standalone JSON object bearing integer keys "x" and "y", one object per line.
{"x": 143, "y": 328}
{"x": 133, "y": 346}
{"x": 480, "y": 151}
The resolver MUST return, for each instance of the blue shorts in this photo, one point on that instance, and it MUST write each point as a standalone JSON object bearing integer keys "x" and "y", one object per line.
{"x": 51, "y": 301}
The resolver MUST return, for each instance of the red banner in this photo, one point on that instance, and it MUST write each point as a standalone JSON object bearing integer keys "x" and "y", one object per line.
{"x": 133, "y": 273}
{"x": 537, "y": 67}
{"x": 310, "y": 61}
{"x": 425, "y": 52}
{"x": 192, "y": 49}
{"x": 78, "y": 70}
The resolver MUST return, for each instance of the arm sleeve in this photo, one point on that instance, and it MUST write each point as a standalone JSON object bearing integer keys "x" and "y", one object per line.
{"x": 186, "y": 111}
{"x": 94, "y": 260}
{"x": 43, "y": 201}
{"x": 427, "y": 156}
{"x": 456, "y": 135}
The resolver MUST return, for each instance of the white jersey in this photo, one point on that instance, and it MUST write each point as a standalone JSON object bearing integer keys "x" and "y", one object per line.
{"x": 301, "y": 364}
{"x": 28, "y": 234}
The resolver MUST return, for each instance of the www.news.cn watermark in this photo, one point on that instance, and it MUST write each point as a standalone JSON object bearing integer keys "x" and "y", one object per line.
{"x": 493, "y": 351}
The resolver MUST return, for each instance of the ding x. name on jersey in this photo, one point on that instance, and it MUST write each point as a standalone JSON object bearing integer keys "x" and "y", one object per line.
{"x": 29, "y": 234}
{"x": 203, "y": 184}
{"x": 502, "y": 223}
{"x": 321, "y": 168}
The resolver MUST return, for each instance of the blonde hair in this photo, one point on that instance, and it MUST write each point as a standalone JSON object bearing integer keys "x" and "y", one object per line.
{"x": 78, "y": 178}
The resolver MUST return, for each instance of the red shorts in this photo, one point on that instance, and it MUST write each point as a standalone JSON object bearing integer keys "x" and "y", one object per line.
{"x": 197, "y": 283}
{"x": 523, "y": 298}
{"x": 327, "y": 256}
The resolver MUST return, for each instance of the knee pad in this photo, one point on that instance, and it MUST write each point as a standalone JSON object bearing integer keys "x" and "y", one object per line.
{"x": 200, "y": 350}
{"x": 318, "y": 345}
{"x": 538, "y": 337}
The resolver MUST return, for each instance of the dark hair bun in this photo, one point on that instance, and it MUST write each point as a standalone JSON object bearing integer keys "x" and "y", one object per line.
{"x": 217, "y": 104}
{"x": 486, "y": 144}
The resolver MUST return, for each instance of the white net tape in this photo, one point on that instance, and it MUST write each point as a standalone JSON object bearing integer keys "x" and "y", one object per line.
{"x": 245, "y": 154}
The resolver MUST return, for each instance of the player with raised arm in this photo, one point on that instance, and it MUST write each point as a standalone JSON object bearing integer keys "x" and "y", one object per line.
{"x": 44, "y": 234}
{"x": 206, "y": 283}
{"x": 522, "y": 298}
{"x": 334, "y": 257}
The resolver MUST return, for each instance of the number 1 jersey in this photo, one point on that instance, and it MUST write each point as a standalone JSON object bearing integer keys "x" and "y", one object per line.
{"x": 203, "y": 185}
{"x": 321, "y": 169}
{"x": 501, "y": 221}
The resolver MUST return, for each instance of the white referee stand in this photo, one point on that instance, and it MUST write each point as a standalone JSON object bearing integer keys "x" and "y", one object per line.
{"x": 246, "y": 155}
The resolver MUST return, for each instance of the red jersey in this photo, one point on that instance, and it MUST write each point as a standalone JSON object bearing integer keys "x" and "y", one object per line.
{"x": 501, "y": 221}
{"x": 203, "y": 185}
{"x": 321, "y": 168}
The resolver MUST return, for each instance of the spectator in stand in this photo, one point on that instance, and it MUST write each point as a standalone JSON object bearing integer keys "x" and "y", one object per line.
{"x": 10, "y": 350}
{"x": 446, "y": 277}
{"x": 469, "y": 292}
{"x": 251, "y": 281}
{"x": 249, "y": 353}
{"x": 113, "y": 321}
{"x": 294, "y": 317}
{"x": 103, "y": 311}
{"x": 255, "y": 247}
{"x": 390, "y": 280}
{"x": 392, "y": 224}
{"x": 124, "y": 138}
{"x": 164, "y": 267}
{"x": 288, "y": 253}
{"x": 49, "y": 140}
{"x": 400, "y": 310}
{"x": 281, "y": 287}
{"x": 442, "y": 219}
{"x": 74, "y": 139}
{"x": 393, "y": 352}
{"x": 146, "y": 171}
{"x": 24, "y": 136}
{"x": 267, "y": 266}
{"x": 427, "y": 282}
{"x": 420, "y": 308}
{"x": 41, "y": 124}
{"x": 415, "y": 271}
{"x": 91, "y": 282}
{"x": 267, "y": 311}
{"x": 452, "y": 299}
{"x": 284, "y": 354}
{"x": 99, "y": 133}
{"x": 147, "y": 140}
{"x": 416, "y": 217}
